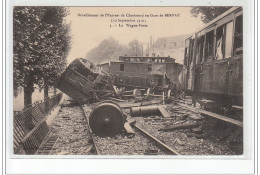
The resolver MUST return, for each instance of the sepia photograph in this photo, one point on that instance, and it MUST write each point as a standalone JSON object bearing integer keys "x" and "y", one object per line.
{"x": 127, "y": 81}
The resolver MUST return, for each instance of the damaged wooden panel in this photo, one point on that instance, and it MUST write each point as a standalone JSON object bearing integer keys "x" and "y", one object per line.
{"x": 220, "y": 77}
{"x": 197, "y": 78}
{"x": 84, "y": 82}
{"x": 235, "y": 76}
{"x": 218, "y": 53}
{"x": 207, "y": 77}
{"x": 164, "y": 112}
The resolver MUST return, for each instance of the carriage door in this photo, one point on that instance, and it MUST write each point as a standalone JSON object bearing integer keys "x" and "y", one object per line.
{"x": 222, "y": 55}
{"x": 199, "y": 58}
{"x": 185, "y": 65}
{"x": 236, "y": 62}
{"x": 190, "y": 65}
{"x": 206, "y": 70}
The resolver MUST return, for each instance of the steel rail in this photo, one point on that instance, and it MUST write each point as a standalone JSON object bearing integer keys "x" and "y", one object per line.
{"x": 92, "y": 138}
{"x": 158, "y": 142}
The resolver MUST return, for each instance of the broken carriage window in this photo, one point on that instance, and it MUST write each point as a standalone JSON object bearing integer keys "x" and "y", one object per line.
{"x": 224, "y": 41}
{"x": 220, "y": 34}
{"x": 228, "y": 40}
{"x": 191, "y": 51}
{"x": 186, "y": 52}
{"x": 209, "y": 45}
{"x": 238, "y": 36}
{"x": 200, "y": 48}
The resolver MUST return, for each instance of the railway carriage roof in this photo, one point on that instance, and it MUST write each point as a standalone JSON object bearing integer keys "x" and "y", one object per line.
{"x": 216, "y": 19}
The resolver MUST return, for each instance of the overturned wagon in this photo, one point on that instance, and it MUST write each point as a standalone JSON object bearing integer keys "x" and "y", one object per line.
{"x": 84, "y": 82}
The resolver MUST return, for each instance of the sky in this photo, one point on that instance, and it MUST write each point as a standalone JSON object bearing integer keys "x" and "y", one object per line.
{"x": 92, "y": 25}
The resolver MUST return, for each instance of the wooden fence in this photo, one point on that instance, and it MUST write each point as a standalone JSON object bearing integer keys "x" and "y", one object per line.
{"x": 31, "y": 119}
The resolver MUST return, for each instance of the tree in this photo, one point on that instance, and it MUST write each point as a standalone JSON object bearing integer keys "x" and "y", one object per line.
{"x": 108, "y": 49}
{"x": 135, "y": 48}
{"x": 59, "y": 43}
{"x": 41, "y": 43}
{"x": 208, "y": 13}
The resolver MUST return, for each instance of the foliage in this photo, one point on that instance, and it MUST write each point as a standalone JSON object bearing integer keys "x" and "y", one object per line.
{"x": 135, "y": 48}
{"x": 41, "y": 43}
{"x": 208, "y": 13}
{"x": 108, "y": 49}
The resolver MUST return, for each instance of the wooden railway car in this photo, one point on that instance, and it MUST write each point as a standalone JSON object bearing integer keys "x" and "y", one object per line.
{"x": 213, "y": 60}
{"x": 84, "y": 82}
{"x": 143, "y": 72}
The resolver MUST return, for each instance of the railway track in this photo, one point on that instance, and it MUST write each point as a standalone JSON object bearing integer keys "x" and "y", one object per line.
{"x": 92, "y": 139}
{"x": 70, "y": 134}
{"x": 152, "y": 145}
{"x": 160, "y": 144}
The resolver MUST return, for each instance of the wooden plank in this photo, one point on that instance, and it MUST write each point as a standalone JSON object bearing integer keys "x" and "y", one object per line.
{"x": 178, "y": 126}
{"x": 40, "y": 124}
{"x": 163, "y": 111}
{"x": 238, "y": 107}
{"x": 129, "y": 130}
{"x": 217, "y": 116}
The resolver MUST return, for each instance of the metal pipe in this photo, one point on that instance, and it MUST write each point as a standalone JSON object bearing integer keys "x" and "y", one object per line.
{"x": 144, "y": 111}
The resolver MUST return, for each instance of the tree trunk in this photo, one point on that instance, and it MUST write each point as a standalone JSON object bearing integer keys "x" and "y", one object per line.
{"x": 46, "y": 90}
{"x": 28, "y": 90}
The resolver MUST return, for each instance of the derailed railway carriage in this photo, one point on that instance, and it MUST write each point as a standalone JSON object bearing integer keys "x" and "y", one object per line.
{"x": 84, "y": 82}
{"x": 213, "y": 60}
{"x": 144, "y": 72}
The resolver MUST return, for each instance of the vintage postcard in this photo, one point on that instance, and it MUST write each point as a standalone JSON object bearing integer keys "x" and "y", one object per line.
{"x": 129, "y": 82}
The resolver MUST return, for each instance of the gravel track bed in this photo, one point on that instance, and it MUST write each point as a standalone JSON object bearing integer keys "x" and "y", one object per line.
{"x": 70, "y": 126}
{"x": 184, "y": 141}
{"x": 121, "y": 145}
{"x": 212, "y": 140}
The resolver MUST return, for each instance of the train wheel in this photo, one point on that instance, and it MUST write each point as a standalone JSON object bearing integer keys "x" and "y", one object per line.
{"x": 106, "y": 120}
